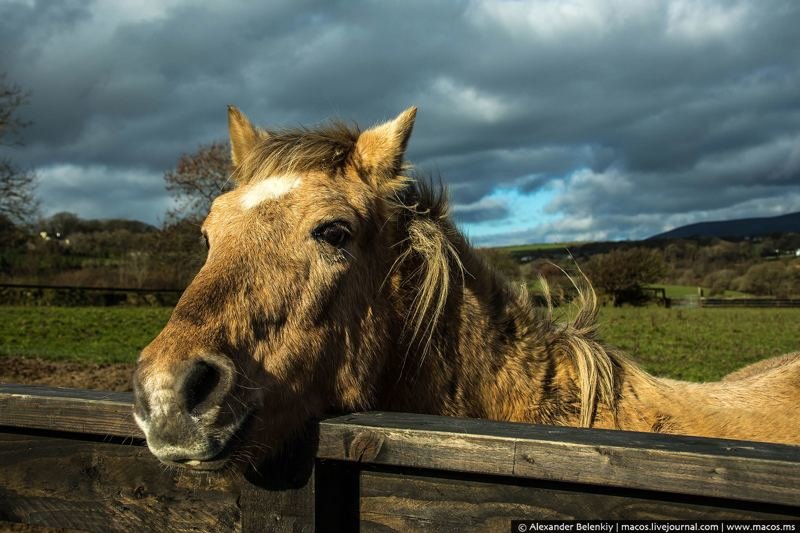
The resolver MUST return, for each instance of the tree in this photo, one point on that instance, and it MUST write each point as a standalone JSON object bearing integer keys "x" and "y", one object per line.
{"x": 622, "y": 273}
{"x": 197, "y": 180}
{"x": 178, "y": 254}
{"x": 17, "y": 187}
{"x": 771, "y": 278}
{"x": 502, "y": 262}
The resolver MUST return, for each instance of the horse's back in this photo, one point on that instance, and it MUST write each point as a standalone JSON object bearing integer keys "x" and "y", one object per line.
{"x": 772, "y": 389}
{"x": 780, "y": 366}
{"x": 758, "y": 402}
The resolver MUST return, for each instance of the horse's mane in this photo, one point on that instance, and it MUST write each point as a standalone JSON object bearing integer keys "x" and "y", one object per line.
{"x": 595, "y": 365}
{"x": 327, "y": 148}
{"x": 428, "y": 241}
{"x": 435, "y": 248}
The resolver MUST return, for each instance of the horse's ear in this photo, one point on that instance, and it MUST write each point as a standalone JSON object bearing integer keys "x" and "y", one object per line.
{"x": 380, "y": 149}
{"x": 243, "y": 135}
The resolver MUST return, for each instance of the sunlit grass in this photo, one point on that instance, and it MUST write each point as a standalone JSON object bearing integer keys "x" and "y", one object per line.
{"x": 700, "y": 344}
{"x": 93, "y": 334}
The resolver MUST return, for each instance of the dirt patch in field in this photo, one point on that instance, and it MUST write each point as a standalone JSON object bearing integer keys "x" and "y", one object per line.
{"x": 97, "y": 376}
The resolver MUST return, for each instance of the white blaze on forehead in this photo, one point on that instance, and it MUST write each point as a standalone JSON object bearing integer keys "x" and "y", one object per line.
{"x": 269, "y": 189}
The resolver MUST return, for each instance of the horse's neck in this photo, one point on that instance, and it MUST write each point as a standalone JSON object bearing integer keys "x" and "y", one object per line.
{"x": 488, "y": 357}
{"x": 491, "y": 355}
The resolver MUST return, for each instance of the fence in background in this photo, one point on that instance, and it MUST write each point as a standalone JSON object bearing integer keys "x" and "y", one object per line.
{"x": 64, "y": 295}
{"x": 749, "y": 302}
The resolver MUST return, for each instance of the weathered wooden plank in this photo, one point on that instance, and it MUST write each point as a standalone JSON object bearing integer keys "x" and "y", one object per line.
{"x": 280, "y": 497}
{"x": 687, "y": 465}
{"x": 739, "y": 470}
{"x": 73, "y": 410}
{"x": 288, "y": 509}
{"x": 16, "y": 527}
{"x": 281, "y": 500}
{"x": 414, "y": 502}
{"x": 687, "y": 472}
{"x": 427, "y": 442}
{"x": 94, "y": 486}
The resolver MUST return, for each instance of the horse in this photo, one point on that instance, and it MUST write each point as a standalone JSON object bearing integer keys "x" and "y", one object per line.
{"x": 335, "y": 281}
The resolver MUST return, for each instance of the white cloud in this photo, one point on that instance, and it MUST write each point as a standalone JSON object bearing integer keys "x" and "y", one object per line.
{"x": 552, "y": 20}
{"x": 97, "y": 191}
{"x": 701, "y": 21}
{"x": 468, "y": 101}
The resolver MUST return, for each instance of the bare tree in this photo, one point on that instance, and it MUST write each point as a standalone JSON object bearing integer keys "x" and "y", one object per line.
{"x": 197, "y": 180}
{"x": 17, "y": 187}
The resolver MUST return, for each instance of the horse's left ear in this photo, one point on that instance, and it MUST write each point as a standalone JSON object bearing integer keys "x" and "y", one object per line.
{"x": 243, "y": 135}
{"x": 380, "y": 149}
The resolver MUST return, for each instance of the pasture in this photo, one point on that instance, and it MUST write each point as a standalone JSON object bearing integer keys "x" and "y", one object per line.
{"x": 699, "y": 344}
{"x": 690, "y": 344}
{"x": 89, "y": 334}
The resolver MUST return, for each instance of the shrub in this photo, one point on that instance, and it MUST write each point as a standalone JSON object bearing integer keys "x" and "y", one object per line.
{"x": 622, "y": 273}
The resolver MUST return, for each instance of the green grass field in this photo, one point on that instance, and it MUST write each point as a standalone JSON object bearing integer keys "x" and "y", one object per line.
{"x": 700, "y": 344}
{"x": 96, "y": 334}
{"x": 693, "y": 344}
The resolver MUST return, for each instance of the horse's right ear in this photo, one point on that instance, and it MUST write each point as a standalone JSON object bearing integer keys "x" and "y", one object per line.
{"x": 243, "y": 135}
{"x": 381, "y": 149}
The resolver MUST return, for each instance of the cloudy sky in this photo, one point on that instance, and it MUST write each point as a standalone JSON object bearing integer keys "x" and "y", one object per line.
{"x": 549, "y": 120}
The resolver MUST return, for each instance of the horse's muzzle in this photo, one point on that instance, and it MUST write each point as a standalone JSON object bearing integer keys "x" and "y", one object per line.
{"x": 187, "y": 413}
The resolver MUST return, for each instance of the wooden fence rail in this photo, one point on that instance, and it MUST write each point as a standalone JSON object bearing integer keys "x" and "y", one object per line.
{"x": 750, "y": 302}
{"x": 75, "y": 459}
{"x": 70, "y": 295}
{"x": 32, "y": 286}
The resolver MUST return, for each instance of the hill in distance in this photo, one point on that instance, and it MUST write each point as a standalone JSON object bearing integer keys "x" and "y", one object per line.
{"x": 740, "y": 228}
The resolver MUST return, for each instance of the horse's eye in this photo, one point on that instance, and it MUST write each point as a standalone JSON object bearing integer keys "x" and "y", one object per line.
{"x": 335, "y": 233}
{"x": 205, "y": 240}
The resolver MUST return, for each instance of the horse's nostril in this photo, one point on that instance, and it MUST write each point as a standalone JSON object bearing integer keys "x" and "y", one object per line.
{"x": 204, "y": 381}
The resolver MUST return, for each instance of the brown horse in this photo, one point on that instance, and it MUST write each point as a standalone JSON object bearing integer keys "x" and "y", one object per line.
{"x": 336, "y": 283}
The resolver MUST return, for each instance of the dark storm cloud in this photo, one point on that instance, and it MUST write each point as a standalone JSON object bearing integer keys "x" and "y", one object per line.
{"x": 636, "y": 114}
{"x": 486, "y": 209}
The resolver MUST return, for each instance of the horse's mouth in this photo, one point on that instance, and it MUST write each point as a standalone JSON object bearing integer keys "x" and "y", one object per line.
{"x": 223, "y": 457}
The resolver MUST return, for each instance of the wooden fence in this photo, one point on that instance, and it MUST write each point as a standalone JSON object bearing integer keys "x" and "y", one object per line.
{"x": 713, "y": 303}
{"x": 749, "y": 302}
{"x": 68, "y": 295}
{"x": 75, "y": 459}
